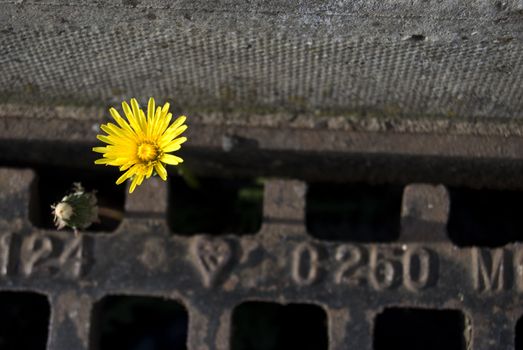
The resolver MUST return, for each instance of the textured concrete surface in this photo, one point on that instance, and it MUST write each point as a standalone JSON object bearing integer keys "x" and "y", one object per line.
{"x": 445, "y": 59}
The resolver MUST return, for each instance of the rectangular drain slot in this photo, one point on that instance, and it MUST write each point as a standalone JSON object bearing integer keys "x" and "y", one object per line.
{"x": 138, "y": 322}
{"x": 270, "y": 326}
{"x": 485, "y": 218}
{"x": 415, "y": 329}
{"x": 215, "y": 205}
{"x": 354, "y": 212}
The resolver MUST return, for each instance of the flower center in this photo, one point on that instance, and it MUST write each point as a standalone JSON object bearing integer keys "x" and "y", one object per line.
{"x": 147, "y": 152}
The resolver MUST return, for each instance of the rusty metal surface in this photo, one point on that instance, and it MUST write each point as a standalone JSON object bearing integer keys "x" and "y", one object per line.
{"x": 212, "y": 274}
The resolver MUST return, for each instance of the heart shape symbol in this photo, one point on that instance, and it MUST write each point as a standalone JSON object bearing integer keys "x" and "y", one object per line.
{"x": 210, "y": 257}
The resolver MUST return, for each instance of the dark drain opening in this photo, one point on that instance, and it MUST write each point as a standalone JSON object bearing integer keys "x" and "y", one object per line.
{"x": 145, "y": 323}
{"x": 271, "y": 326}
{"x": 215, "y": 206}
{"x": 485, "y": 218}
{"x": 354, "y": 212}
{"x": 519, "y": 334}
{"x": 415, "y": 329}
{"x": 24, "y": 320}
{"x": 53, "y": 183}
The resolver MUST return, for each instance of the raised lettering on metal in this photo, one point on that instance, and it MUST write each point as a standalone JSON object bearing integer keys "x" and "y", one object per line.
{"x": 422, "y": 258}
{"x": 381, "y": 270}
{"x": 5, "y": 242}
{"x": 39, "y": 255}
{"x": 488, "y": 269}
{"x": 518, "y": 269}
{"x": 69, "y": 263}
{"x": 411, "y": 267}
{"x": 34, "y": 249}
{"x": 305, "y": 260}
{"x": 349, "y": 271}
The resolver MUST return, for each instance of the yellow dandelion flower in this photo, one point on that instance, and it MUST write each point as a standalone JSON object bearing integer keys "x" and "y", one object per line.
{"x": 141, "y": 145}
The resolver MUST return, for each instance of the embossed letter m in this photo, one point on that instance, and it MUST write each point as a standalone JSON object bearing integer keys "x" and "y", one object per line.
{"x": 488, "y": 269}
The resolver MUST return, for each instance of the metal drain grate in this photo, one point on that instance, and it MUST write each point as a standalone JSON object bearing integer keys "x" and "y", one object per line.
{"x": 207, "y": 287}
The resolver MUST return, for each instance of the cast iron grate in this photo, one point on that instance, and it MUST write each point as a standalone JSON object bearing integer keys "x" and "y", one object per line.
{"x": 257, "y": 252}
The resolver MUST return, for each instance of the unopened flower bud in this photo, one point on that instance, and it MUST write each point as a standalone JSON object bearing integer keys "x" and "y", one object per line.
{"x": 77, "y": 210}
